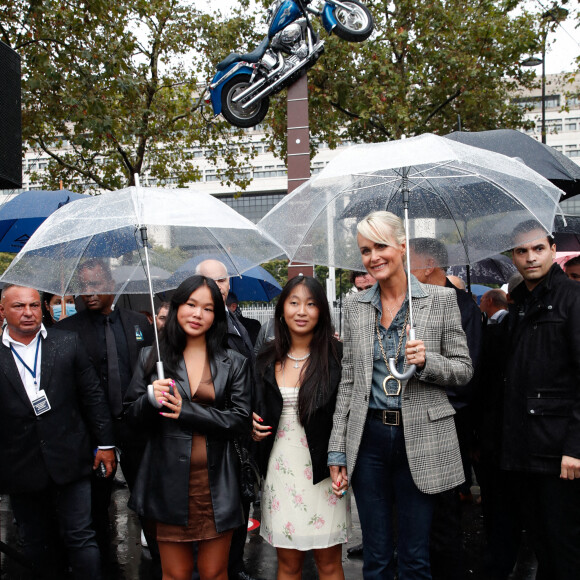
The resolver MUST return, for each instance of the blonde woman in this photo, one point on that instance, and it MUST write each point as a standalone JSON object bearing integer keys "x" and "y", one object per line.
{"x": 394, "y": 441}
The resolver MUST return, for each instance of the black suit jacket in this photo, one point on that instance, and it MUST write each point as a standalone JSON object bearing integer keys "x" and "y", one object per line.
{"x": 238, "y": 339}
{"x": 472, "y": 324}
{"x": 82, "y": 324}
{"x": 55, "y": 446}
{"x": 253, "y": 327}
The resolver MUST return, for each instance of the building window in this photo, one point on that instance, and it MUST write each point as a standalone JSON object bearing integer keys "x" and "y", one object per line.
{"x": 535, "y": 103}
{"x": 553, "y": 125}
{"x": 253, "y": 207}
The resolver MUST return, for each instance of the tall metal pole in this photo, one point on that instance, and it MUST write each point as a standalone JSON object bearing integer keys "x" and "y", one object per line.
{"x": 544, "y": 84}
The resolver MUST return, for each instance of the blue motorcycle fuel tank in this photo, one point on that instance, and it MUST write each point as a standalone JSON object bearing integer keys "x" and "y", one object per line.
{"x": 287, "y": 12}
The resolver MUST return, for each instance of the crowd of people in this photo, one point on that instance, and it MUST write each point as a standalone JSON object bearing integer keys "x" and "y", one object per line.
{"x": 495, "y": 390}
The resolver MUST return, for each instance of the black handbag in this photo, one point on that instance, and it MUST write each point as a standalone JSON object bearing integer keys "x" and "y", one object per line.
{"x": 250, "y": 480}
{"x": 249, "y": 473}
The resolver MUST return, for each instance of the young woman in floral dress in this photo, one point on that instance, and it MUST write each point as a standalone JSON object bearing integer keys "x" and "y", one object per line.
{"x": 297, "y": 378}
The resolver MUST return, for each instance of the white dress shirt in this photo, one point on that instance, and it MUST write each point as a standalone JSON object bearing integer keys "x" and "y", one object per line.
{"x": 27, "y": 353}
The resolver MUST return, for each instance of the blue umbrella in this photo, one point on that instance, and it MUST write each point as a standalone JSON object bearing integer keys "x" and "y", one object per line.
{"x": 21, "y": 216}
{"x": 256, "y": 284}
{"x": 479, "y": 290}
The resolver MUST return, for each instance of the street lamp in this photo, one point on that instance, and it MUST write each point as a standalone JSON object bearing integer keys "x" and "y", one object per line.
{"x": 535, "y": 61}
{"x": 556, "y": 14}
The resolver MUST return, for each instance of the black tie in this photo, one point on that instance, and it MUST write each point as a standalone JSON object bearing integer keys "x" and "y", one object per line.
{"x": 113, "y": 376}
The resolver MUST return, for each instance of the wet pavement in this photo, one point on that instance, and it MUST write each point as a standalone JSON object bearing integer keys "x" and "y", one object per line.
{"x": 134, "y": 562}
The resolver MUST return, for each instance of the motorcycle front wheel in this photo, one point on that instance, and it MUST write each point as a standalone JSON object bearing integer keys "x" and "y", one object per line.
{"x": 354, "y": 26}
{"x": 233, "y": 112}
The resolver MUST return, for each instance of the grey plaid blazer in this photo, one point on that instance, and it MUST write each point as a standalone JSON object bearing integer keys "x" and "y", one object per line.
{"x": 430, "y": 437}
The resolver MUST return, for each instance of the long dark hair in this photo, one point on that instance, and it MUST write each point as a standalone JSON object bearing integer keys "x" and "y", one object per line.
{"x": 47, "y": 319}
{"x": 315, "y": 374}
{"x": 172, "y": 338}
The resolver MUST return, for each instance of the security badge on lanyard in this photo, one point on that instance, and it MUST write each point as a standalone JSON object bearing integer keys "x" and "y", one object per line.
{"x": 40, "y": 403}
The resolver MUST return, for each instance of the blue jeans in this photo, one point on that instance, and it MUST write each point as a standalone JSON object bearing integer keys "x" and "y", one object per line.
{"x": 66, "y": 508}
{"x": 382, "y": 483}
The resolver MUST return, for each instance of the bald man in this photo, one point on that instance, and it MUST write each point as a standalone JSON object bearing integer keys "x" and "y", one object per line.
{"x": 495, "y": 305}
{"x": 52, "y": 407}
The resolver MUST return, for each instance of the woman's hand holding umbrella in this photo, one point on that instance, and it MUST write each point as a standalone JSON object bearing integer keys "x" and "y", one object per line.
{"x": 415, "y": 351}
{"x": 171, "y": 402}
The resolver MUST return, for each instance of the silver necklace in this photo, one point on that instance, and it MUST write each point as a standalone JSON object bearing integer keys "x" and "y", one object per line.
{"x": 297, "y": 360}
{"x": 284, "y": 377}
{"x": 390, "y": 311}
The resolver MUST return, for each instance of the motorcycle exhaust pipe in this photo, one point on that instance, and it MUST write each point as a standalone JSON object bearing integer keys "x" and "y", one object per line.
{"x": 249, "y": 90}
{"x": 268, "y": 90}
{"x": 258, "y": 84}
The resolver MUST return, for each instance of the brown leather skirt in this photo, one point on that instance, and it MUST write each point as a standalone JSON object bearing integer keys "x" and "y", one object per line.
{"x": 201, "y": 523}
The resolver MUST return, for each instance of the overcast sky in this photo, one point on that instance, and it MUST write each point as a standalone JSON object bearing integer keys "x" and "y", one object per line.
{"x": 564, "y": 42}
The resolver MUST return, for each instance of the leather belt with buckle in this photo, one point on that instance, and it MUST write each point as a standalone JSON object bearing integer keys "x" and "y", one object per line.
{"x": 393, "y": 418}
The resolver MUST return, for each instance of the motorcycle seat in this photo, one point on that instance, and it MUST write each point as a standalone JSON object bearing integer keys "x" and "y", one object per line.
{"x": 253, "y": 56}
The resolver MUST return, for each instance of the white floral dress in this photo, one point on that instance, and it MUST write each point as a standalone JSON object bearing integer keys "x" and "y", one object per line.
{"x": 295, "y": 513}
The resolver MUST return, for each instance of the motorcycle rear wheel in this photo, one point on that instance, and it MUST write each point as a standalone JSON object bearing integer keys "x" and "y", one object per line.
{"x": 233, "y": 112}
{"x": 354, "y": 26}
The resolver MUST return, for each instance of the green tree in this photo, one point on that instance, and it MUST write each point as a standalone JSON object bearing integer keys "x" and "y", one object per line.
{"x": 278, "y": 269}
{"x": 5, "y": 261}
{"x": 342, "y": 279}
{"x": 115, "y": 83}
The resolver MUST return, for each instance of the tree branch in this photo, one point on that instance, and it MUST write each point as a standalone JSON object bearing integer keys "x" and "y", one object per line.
{"x": 441, "y": 106}
{"x": 379, "y": 126}
{"x": 88, "y": 174}
{"x": 196, "y": 105}
{"x": 39, "y": 40}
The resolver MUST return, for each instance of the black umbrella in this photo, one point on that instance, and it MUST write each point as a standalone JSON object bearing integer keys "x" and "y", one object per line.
{"x": 567, "y": 236}
{"x": 493, "y": 270}
{"x": 545, "y": 160}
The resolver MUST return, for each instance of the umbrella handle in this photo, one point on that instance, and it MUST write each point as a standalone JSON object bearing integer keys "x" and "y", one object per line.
{"x": 393, "y": 365}
{"x": 151, "y": 390}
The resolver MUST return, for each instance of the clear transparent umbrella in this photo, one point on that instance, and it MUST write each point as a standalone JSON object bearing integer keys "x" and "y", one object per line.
{"x": 132, "y": 230}
{"x": 181, "y": 224}
{"x": 443, "y": 189}
{"x": 456, "y": 193}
